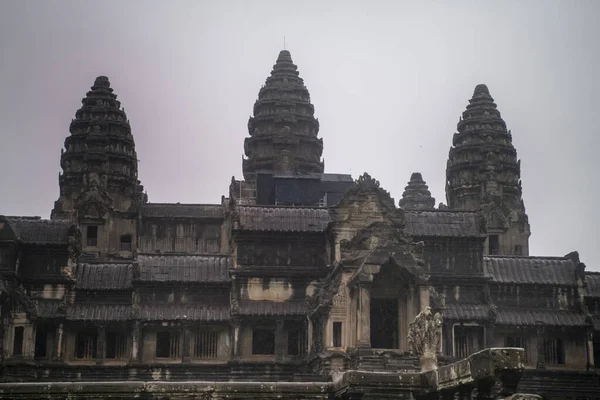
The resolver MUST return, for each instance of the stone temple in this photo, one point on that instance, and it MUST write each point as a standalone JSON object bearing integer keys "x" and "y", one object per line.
{"x": 300, "y": 284}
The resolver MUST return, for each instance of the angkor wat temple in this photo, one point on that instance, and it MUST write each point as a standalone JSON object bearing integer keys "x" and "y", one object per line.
{"x": 300, "y": 284}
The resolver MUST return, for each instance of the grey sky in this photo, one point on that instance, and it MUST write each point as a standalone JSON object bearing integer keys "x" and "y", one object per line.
{"x": 388, "y": 80}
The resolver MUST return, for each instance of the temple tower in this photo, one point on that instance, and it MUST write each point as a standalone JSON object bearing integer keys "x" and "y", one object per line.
{"x": 283, "y": 131}
{"x": 483, "y": 172}
{"x": 99, "y": 186}
{"x": 416, "y": 194}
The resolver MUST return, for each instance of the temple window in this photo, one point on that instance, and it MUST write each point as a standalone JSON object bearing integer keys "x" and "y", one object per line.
{"x": 467, "y": 340}
{"x": 337, "y": 334}
{"x": 206, "y": 344}
{"x": 494, "y": 244}
{"x": 92, "y": 235}
{"x": 554, "y": 353}
{"x": 516, "y": 341}
{"x": 167, "y": 344}
{"x": 18, "y": 341}
{"x": 116, "y": 345}
{"x": 296, "y": 340}
{"x": 85, "y": 345}
{"x": 44, "y": 337}
{"x": 211, "y": 238}
{"x": 263, "y": 341}
{"x": 126, "y": 243}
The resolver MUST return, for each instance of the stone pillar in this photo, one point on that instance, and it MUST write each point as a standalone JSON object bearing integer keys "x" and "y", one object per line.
{"x": 101, "y": 345}
{"x": 589, "y": 334}
{"x": 235, "y": 339}
{"x": 57, "y": 353}
{"x": 280, "y": 341}
{"x": 136, "y": 343}
{"x": 186, "y": 355}
{"x": 364, "y": 320}
{"x": 423, "y": 297}
{"x": 309, "y": 336}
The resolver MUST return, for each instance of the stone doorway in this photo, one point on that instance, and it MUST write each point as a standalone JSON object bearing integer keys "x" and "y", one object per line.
{"x": 384, "y": 323}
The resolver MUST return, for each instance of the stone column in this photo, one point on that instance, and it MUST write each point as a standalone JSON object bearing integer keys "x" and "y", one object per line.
{"x": 136, "y": 342}
{"x": 589, "y": 333}
{"x": 186, "y": 355}
{"x": 57, "y": 353}
{"x": 280, "y": 341}
{"x": 309, "y": 336}
{"x": 364, "y": 320}
{"x": 235, "y": 339}
{"x": 101, "y": 344}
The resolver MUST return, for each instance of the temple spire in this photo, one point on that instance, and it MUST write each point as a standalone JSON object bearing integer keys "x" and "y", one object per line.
{"x": 416, "y": 194}
{"x": 283, "y": 130}
{"x": 99, "y": 158}
{"x": 483, "y": 172}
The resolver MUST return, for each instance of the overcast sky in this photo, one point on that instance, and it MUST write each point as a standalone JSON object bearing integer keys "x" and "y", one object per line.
{"x": 388, "y": 79}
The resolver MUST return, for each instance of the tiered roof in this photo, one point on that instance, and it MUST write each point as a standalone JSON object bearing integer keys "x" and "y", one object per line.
{"x": 482, "y": 153}
{"x": 416, "y": 194}
{"x": 283, "y": 131}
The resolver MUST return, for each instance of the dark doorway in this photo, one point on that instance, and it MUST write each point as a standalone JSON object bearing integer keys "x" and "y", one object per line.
{"x": 384, "y": 323}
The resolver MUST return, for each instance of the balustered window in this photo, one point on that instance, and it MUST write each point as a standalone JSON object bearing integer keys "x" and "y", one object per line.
{"x": 263, "y": 341}
{"x": 296, "y": 337}
{"x": 116, "y": 345}
{"x": 467, "y": 340}
{"x": 554, "y": 353}
{"x": 126, "y": 243}
{"x": 206, "y": 344}
{"x": 167, "y": 344}
{"x": 85, "y": 345}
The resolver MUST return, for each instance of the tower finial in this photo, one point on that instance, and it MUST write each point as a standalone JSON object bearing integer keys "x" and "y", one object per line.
{"x": 284, "y": 42}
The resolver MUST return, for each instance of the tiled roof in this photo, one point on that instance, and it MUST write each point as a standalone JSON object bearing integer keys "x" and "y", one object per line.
{"x": 191, "y": 312}
{"x": 524, "y": 317}
{"x": 249, "y": 307}
{"x": 443, "y": 223}
{"x": 285, "y": 219}
{"x": 459, "y": 311}
{"x": 171, "y": 268}
{"x": 176, "y": 210}
{"x": 103, "y": 276}
{"x": 99, "y": 312}
{"x": 593, "y": 284}
{"x": 540, "y": 270}
{"x": 49, "y": 309}
{"x": 36, "y": 230}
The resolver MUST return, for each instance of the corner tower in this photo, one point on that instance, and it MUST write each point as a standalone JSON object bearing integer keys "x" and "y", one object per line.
{"x": 416, "y": 194}
{"x": 99, "y": 186}
{"x": 283, "y": 131}
{"x": 483, "y": 172}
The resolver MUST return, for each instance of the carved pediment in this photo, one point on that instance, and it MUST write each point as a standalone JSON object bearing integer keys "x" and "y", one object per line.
{"x": 364, "y": 203}
{"x": 94, "y": 201}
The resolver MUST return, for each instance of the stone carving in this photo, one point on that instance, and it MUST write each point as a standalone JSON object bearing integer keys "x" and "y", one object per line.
{"x": 424, "y": 335}
{"x": 326, "y": 290}
{"x": 74, "y": 238}
{"x": 95, "y": 199}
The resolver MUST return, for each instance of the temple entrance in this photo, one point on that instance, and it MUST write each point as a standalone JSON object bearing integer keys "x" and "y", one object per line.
{"x": 384, "y": 323}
